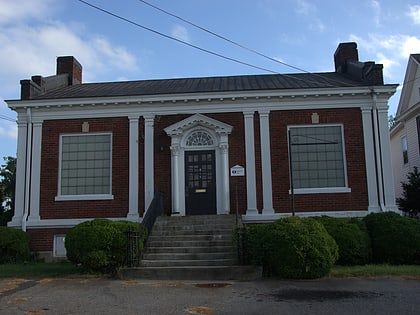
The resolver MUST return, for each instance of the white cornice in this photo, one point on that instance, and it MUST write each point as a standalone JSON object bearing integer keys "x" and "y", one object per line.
{"x": 226, "y": 97}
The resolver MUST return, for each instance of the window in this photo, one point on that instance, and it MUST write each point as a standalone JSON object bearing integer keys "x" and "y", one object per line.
{"x": 199, "y": 138}
{"x": 404, "y": 148}
{"x": 85, "y": 167}
{"x": 418, "y": 131}
{"x": 317, "y": 159}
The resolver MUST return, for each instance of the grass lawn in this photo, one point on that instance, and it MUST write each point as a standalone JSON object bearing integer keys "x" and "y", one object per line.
{"x": 376, "y": 271}
{"x": 40, "y": 269}
{"x": 60, "y": 269}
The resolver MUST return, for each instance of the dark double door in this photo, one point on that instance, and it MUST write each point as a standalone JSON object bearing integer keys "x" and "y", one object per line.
{"x": 200, "y": 182}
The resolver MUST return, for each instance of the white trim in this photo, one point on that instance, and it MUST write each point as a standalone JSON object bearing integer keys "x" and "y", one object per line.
{"x": 371, "y": 177}
{"x": 149, "y": 186}
{"x": 266, "y": 162}
{"x": 321, "y": 190}
{"x": 133, "y": 167}
{"x": 84, "y": 197}
{"x": 251, "y": 190}
{"x": 69, "y": 223}
{"x": 21, "y": 169}
{"x": 35, "y": 172}
{"x": 259, "y": 218}
{"x": 179, "y": 132}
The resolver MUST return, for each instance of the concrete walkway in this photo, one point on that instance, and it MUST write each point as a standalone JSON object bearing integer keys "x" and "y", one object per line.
{"x": 96, "y": 295}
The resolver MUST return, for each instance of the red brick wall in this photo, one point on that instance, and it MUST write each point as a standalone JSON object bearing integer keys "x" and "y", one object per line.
{"x": 43, "y": 239}
{"x": 355, "y": 157}
{"x": 118, "y": 207}
{"x": 279, "y": 120}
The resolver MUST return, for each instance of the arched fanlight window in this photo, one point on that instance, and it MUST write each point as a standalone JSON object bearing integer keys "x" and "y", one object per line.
{"x": 199, "y": 138}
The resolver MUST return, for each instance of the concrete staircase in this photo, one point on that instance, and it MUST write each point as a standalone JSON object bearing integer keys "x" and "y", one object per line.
{"x": 192, "y": 248}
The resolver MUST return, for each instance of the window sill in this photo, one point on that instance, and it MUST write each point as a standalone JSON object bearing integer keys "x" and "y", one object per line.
{"x": 83, "y": 197}
{"x": 326, "y": 190}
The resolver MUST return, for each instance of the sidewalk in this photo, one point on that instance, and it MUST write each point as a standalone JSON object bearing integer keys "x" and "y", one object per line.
{"x": 97, "y": 295}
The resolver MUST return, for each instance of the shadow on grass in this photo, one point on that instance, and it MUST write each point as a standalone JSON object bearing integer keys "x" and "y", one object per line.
{"x": 42, "y": 269}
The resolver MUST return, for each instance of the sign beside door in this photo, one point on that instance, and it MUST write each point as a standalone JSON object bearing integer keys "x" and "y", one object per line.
{"x": 237, "y": 170}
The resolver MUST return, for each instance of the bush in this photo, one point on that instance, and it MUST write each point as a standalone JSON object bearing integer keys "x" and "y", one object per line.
{"x": 352, "y": 238}
{"x": 14, "y": 245}
{"x": 298, "y": 248}
{"x": 99, "y": 245}
{"x": 409, "y": 203}
{"x": 395, "y": 239}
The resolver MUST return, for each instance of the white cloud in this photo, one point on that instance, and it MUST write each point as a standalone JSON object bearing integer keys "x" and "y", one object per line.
{"x": 376, "y": 6}
{"x": 32, "y": 50}
{"x": 305, "y": 8}
{"x": 8, "y": 130}
{"x": 18, "y": 10}
{"x": 392, "y": 51}
{"x": 181, "y": 33}
{"x": 414, "y": 13}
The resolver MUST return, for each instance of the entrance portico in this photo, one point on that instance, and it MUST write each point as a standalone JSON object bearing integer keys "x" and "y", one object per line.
{"x": 199, "y": 133}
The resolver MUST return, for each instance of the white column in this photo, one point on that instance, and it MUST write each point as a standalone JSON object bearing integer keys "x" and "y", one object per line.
{"x": 20, "y": 174}
{"x": 148, "y": 160}
{"x": 133, "y": 172}
{"x": 251, "y": 190}
{"x": 371, "y": 177}
{"x": 385, "y": 146}
{"x": 175, "y": 151}
{"x": 225, "y": 179}
{"x": 36, "y": 173}
{"x": 266, "y": 163}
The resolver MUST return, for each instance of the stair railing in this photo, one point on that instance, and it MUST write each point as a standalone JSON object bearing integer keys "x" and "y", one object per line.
{"x": 137, "y": 238}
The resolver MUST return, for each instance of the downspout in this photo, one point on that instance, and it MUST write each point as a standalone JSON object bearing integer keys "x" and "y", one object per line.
{"x": 27, "y": 168}
{"x": 378, "y": 154}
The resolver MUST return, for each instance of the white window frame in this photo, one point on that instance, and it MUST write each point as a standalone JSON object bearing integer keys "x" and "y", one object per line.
{"x": 404, "y": 149}
{"x": 61, "y": 197}
{"x": 323, "y": 190}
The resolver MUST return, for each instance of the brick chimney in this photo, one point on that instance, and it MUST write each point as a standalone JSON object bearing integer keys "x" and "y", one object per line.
{"x": 345, "y": 52}
{"x": 69, "y": 65}
{"x": 69, "y": 72}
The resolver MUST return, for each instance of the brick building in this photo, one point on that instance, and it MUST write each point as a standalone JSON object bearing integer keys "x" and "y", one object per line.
{"x": 102, "y": 149}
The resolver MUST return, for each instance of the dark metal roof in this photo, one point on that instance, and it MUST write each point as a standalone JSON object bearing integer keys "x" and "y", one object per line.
{"x": 203, "y": 85}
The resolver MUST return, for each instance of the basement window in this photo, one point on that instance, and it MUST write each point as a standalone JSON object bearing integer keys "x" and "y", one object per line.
{"x": 317, "y": 158}
{"x": 85, "y": 167}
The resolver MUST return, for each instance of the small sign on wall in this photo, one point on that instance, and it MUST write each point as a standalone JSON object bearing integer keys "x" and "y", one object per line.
{"x": 237, "y": 170}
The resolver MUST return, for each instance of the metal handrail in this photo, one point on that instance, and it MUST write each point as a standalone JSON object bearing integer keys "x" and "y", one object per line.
{"x": 155, "y": 210}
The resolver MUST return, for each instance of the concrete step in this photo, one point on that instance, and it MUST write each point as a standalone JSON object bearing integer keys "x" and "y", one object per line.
{"x": 212, "y": 273}
{"x": 193, "y": 243}
{"x": 189, "y": 249}
{"x": 190, "y": 256}
{"x": 191, "y": 237}
{"x": 186, "y": 263}
{"x": 192, "y": 230}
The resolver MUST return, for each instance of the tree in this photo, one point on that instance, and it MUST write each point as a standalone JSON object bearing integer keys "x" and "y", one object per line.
{"x": 409, "y": 203}
{"x": 7, "y": 189}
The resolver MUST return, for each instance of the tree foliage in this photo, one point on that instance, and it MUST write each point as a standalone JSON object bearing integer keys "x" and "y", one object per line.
{"x": 409, "y": 203}
{"x": 7, "y": 189}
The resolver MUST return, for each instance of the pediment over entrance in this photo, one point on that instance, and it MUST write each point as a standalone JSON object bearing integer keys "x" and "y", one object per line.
{"x": 198, "y": 120}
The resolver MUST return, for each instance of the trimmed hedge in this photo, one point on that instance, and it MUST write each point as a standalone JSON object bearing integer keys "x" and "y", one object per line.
{"x": 14, "y": 245}
{"x": 395, "y": 239}
{"x": 297, "y": 248}
{"x": 99, "y": 245}
{"x": 352, "y": 238}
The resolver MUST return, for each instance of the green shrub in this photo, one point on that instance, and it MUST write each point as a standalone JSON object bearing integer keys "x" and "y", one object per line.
{"x": 298, "y": 248}
{"x": 14, "y": 245}
{"x": 395, "y": 239}
{"x": 99, "y": 245}
{"x": 409, "y": 202}
{"x": 352, "y": 238}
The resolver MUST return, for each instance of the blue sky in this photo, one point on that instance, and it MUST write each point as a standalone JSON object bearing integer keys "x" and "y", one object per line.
{"x": 301, "y": 33}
